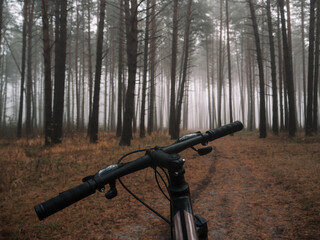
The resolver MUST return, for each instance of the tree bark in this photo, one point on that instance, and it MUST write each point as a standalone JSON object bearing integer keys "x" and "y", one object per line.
{"x": 280, "y": 61}
{"x": 310, "y": 69}
{"x": 105, "y": 112}
{"x": 83, "y": 65}
{"x": 288, "y": 72}
{"x": 145, "y": 72}
{"x": 95, "y": 108}
{"x": 174, "y": 46}
{"x": 275, "y": 124}
{"x": 184, "y": 74}
{"x": 229, "y": 62}
{"x": 262, "y": 125}
{"x": 316, "y": 73}
{"x": 5, "y": 95}
{"x": 69, "y": 88}
{"x": 29, "y": 71}
{"x": 303, "y": 60}
{"x": 214, "y": 116}
{"x": 89, "y": 62}
{"x": 208, "y": 83}
{"x": 35, "y": 89}
{"x": 132, "y": 54}
{"x": 152, "y": 68}
{"x": 76, "y": 62}
{"x": 1, "y": 89}
{"x": 1, "y": 63}
{"x": 220, "y": 70}
{"x": 47, "y": 75}
{"x": 60, "y": 67}
{"x": 1, "y": 9}
{"x": 23, "y": 65}
{"x": 120, "y": 70}
{"x": 249, "y": 83}
{"x": 112, "y": 88}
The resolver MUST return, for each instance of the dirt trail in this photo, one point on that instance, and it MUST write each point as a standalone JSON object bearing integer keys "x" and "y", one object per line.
{"x": 244, "y": 200}
{"x": 238, "y": 193}
{"x": 248, "y": 188}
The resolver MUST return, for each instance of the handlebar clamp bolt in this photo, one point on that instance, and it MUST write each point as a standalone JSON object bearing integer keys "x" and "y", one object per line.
{"x": 101, "y": 189}
{"x": 176, "y": 174}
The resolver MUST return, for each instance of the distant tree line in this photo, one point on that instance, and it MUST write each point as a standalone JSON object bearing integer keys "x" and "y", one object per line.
{"x": 148, "y": 65}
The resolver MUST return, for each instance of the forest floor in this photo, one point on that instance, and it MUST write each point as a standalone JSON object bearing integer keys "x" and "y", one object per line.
{"x": 247, "y": 188}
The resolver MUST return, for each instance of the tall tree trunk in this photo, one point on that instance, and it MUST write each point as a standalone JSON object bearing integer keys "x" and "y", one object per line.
{"x": 174, "y": 50}
{"x": 1, "y": 9}
{"x": 29, "y": 71}
{"x": 47, "y": 74}
{"x": 35, "y": 89}
{"x": 132, "y": 54}
{"x": 249, "y": 83}
{"x": 262, "y": 125}
{"x": 310, "y": 69}
{"x": 208, "y": 83}
{"x": 134, "y": 129}
{"x": 229, "y": 62}
{"x": 145, "y": 72}
{"x": 241, "y": 78}
{"x": 185, "y": 68}
{"x": 1, "y": 88}
{"x": 316, "y": 73}
{"x": 5, "y": 95}
{"x": 77, "y": 70}
{"x": 280, "y": 61}
{"x": 303, "y": 61}
{"x": 23, "y": 64}
{"x": 60, "y": 66}
{"x": 95, "y": 108}
{"x": 220, "y": 69}
{"x": 112, "y": 93}
{"x": 152, "y": 68}
{"x": 120, "y": 70}
{"x": 105, "y": 112}
{"x": 1, "y": 70}
{"x": 69, "y": 108}
{"x": 291, "y": 62}
{"x": 289, "y": 74}
{"x": 214, "y": 117}
{"x": 275, "y": 124}
{"x": 289, "y": 33}
{"x": 89, "y": 63}
{"x": 83, "y": 65}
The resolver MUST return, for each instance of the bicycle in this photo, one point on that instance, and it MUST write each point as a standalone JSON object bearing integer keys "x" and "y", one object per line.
{"x": 184, "y": 224}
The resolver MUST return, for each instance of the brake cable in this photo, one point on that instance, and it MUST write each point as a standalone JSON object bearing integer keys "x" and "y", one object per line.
{"x": 135, "y": 196}
{"x": 156, "y": 173}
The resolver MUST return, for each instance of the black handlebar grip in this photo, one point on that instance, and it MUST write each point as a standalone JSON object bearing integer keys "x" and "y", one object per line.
{"x": 225, "y": 130}
{"x": 65, "y": 199}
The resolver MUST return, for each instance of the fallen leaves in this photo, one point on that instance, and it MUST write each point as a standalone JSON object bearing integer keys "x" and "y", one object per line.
{"x": 247, "y": 188}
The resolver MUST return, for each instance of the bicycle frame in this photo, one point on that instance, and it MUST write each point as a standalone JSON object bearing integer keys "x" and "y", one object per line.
{"x": 181, "y": 209}
{"x": 182, "y": 219}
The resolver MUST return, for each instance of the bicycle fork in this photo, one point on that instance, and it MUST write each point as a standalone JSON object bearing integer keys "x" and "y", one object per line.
{"x": 185, "y": 224}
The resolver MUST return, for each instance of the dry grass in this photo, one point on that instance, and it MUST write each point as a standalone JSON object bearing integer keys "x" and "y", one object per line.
{"x": 249, "y": 188}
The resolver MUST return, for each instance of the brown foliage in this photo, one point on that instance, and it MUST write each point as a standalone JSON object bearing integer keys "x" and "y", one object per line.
{"x": 249, "y": 188}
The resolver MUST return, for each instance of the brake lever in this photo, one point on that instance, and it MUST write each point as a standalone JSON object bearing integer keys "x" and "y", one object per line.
{"x": 203, "y": 151}
{"x": 112, "y": 191}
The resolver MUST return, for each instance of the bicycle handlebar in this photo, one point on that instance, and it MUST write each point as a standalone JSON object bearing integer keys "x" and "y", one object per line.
{"x": 108, "y": 175}
{"x": 65, "y": 199}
